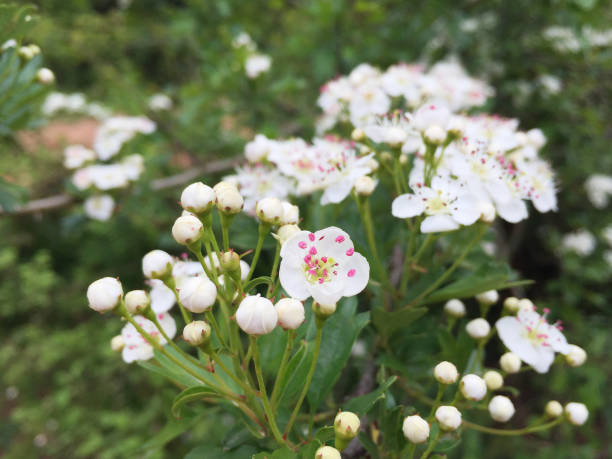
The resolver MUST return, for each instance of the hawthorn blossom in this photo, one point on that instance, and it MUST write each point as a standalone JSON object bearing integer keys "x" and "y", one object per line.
{"x": 256, "y": 64}
{"x": 447, "y": 204}
{"x": 582, "y": 242}
{"x": 599, "y": 189}
{"x": 99, "y": 207}
{"x": 532, "y": 338}
{"x": 162, "y": 297}
{"x": 136, "y": 346}
{"x": 77, "y": 155}
{"x": 323, "y": 265}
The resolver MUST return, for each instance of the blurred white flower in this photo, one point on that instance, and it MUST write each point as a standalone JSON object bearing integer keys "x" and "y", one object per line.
{"x": 136, "y": 346}
{"x": 159, "y": 102}
{"x": 99, "y": 206}
{"x": 256, "y": 64}
{"x": 581, "y": 242}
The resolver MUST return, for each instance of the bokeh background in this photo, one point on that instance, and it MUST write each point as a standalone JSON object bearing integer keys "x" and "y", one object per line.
{"x": 64, "y": 393}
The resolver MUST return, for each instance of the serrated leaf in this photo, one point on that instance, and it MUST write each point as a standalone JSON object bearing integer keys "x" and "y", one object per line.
{"x": 325, "y": 434}
{"x": 362, "y": 405}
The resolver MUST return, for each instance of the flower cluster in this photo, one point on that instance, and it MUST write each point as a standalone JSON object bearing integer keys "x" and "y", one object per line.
{"x": 568, "y": 40}
{"x": 74, "y": 104}
{"x": 255, "y": 62}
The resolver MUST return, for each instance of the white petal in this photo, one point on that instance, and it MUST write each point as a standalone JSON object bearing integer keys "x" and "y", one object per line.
{"x": 162, "y": 298}
{"x": 357, "y": 273}
{"x": 293, "y": 281}
{"x": 133, "y": 353}
{"x": 337, "y": 192}
{"x": 465, "y": 210}
{"x": 293, "y": 250}
{"x": 437, "y": 223}
{"x": 333, "y": 242}
{"x": 327, "y": 293}
{"x": 407, "y": 205}
{"x": 513, "y": 211}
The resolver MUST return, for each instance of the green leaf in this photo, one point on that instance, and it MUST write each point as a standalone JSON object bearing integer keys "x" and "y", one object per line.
{"x": 361, "y": 405}
{"x": 283, "y": 453}
{"x": 309, "y": 450}
{"x": 189, "y": 395}
{"x": 205, "y": 451}
{"x": 369, "y": 445}
{"x": 388, "y": 322}
{"x": 325, "y": 434}
{"x": 171, "y": 430}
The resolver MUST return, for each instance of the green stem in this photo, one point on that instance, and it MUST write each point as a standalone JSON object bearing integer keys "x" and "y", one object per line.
{"x": 230, "y": 373}
{"x": 226, "y": 221}
{"x": 211, "y": 318}
{"x": 431, "y": 446}
{"x": 274, "y": 272}
{"x": 511, "y": 432}
{"x": 169, "y": 281}
{"x": 263, "y": 230}
{"x": 264, "y": 396}
{"x": 283, "y": 367}
{"x": 441, "y": 388}
{"x": 313, "y": 365}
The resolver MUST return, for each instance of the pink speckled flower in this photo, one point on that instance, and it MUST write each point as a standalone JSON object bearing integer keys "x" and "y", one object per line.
{"x": 136, "y": 347}
{"x": 323, "y": 265}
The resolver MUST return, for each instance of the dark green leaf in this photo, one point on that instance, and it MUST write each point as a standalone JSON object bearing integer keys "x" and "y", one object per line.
{"x": 189, "y": 395}
{"x": 388, "y": 322}
{"x": 361, "y": 405}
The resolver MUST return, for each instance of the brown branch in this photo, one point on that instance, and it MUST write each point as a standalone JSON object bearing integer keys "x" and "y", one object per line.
{"x": 62, "y": 200}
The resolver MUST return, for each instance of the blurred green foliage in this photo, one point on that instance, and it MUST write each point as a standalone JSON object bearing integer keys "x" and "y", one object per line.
{"x": 81, "y": 398}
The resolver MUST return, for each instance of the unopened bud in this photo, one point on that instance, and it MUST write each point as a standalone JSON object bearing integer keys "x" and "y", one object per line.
{"x": 45, "y": 76}
{"x": 488, "y": 298}
{"x": 198, "y": 198}
{"x": 493, "y": 379}
{"x": 291, "y": 214}
{"x": 435, "y": 135}
{"x": 553, "y": 409}
{"x": 501, "y": 408}
{"x": 197, "y": 293}
{"x": 373, "y": 165}
{"x": 448, "y": 417}
{"x": 454, "y": 308}
{"x": 104, "y": 294}
{"x": 327, "y": 452}
{"x": 187, "y": 230}
{"x": 196, "y": 332}
{"x": 157, "y": 264}
{"x": 117, "y": 343}
{"x": 473, "y": 387}
{"x": 526, "y": 304}
{"x": 346, "y": 427}
{"x": 290, "y": 313}
{"x": 137, "y": 301}
{"x": 230, "y": 261}
{"x": 364, "y": 186}
{"x": 229, "y": 200}
{"x": 285, "y": 232}
{"x": 357, "y": 135}
{"x": 576, "y": 356}
{"x": 25, "y": 52}
{"x": 446, "y": 373}
{"x": 510, "y": 362}
{"x": 478, "y": 328}
{"x": 403, "y": 159}
{"x": 323, "y": 311}
{"x": 256, "y": 315}
{"x": 415, "y": 429}
{"x": 576, "y": 413}
{"x": 511, "y": 304}
{"x": 269, "y": 210}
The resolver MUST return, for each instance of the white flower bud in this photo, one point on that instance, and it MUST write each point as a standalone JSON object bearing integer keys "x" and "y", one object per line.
{"x": 157, "y": 264}
{"x": 230, "y": 261}
{"x": 45, "y": 76}
{"x": 488, "y": 298}
{"x": 117, "y": 343}
{"x": 25, "y": 52}
{"x": 364, "y": 186}
{"x": 510, "y": 362}
{"x": 290, "y": 313}
{"x": 415, "y": 429}
{"x": 373, "y": 165}
{"x": 403, "y": 159}
{"x": 187, "y": 229}
{"x": 577, "y": 413}
{"x": 446, "y": 373}
{"x": 576, "y": 356}
{"x": 224, "y": 185}
{"x": 346, "y": 425}
{"x": 478, "y": 328}
{"x": 493, "y": 379}
{"x": 454, "y": 308}
{"x": 448, "y": 417}
{"x": 285, "y": 232}
{"x": 327, "y": 452}
{"x": 323, "y": 310}
{"x": 256, "y": 315}
{"x": 511, "y": 304}
{"x": 229, "y": 199}
{"x": 357, "y": 134}
{"x": 104, "y": 294}
{"x": 198, "y": 198}
{"x": 473, "y": 387}
{"x": 526, "y": 305}
{"x": 197, "y": 293}
{"x": 291, "y": 214}
{"x": 553, "y": 409}
{"x": 269, "y": 210}
{"x": 501, "y": 408}
{"x": 196, "y": 332}
{"x": 136, "y": 301}
{"x": 435, "y": 134}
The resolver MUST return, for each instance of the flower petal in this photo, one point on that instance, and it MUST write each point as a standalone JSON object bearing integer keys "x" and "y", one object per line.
{"x": 357, "y": 273}
{"x": 437, "y": 223}
{"x": 407, "y": 205}
{"x": 293, "y": 280}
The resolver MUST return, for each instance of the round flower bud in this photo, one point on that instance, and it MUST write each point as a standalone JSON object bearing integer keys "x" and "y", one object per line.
{"x": 478, "y": 328}
{"x": 501, "y": 408}
{"x": 136, "y": 301}
{"x": 35, "y": 49}
{"x": 576, "y": 356}
{"x": 230, "y": 261}
{"x": 346, "y": 427}
{"x": 197, "y": 293}
{"x": 269, "y": 210}
{"x": 104, "y": 294}
{"x": 510, "y": 362}
{"x": 290, "y": 313}
{"x": 196, "y": 332}
{"x": 415, "y": 429}
{"x": 448, "y": 417}
{"x": 323, "y": 310}
{"x": 117, "y": 343}
{"x": 25, "y": 52}
{"x": 454, "y": 308}
{"x": 403, "y": 159}
{"x": 435, "y": 134}
{"x": 291, "y": 214}
{"x": 198, "y": 198}
{"x": 285, "y": 232}
{"x": 553, "y": 409}
{"x": 526, "y": 304}
{"x": 364, "y": 186}
{"x": 446, "y": 373}
{"x": 493, "y": 379}
{"x": 256, "y": 315}
{"x": 488, "y": 298}
{"x": 511, "y": 304}
{"x": 229, "y": 199}
{"x": 157, "y": 264}
{"x": 357, "y": 134}
{"x": 187, "y": 229}
{"x": 327, "y": 452}
{"x": 487, "y": 212}
{"x": 45, "y": 76}
{"x": 224, "y": 185}
{"x": 577, "y": 413}
{"x": 373, "y": 164}
{"x": 473, "y": 387}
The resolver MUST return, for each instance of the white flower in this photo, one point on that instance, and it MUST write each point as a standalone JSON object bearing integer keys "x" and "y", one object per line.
{"x": 104, "y": 294}
{"x": 581, "y": 242}
{"x": 196, "y": 332}
{"x": 197, "y": 293}
{"x": 446, "y": 204}
{"x": 160, "y": 101}
{"x": 187, "y": 229}
{"x": 478, "y": 328}
{"x": 576, "y": 356}
{"x": 493, "y": 379}
{"x": 77, "y": 155}
{"x": 99, "y": 207}
{"x": 198, "y": 198}
{"x": 157, "y": 264}
{"x": 510, "y": 362}
{"x": 433, "y": 113}
{"x": 257, "y": 181}
{"x": 162, "y": 296}
{"x": 256, "y": 315}
{"x": 108, "y": 176}
{"x": 446, "y": 373}
{"x": 577, "y": 413}
{"x": 448, "y": 417}
{"x": 473, "y": 387}
{"x": 132, "y": 165}
{"x": 290, "y": 313}
{"x": 599, "y": 189}
{"x": 323, "y": 265}
{"x": 136, "y": 301}
{"x": 553, "y": 409}
{"x": 454, "y": 308}
{"x": 257, "y": 64}
{"x": 82, "y": 179}
{"x": 532, "y": 338}
{"x": 393, "y": 130}
{"x": 501, "y": 408}
{"x": 488, "y": 298}
{"x": 136, "y": 347}
{"x": 415, "y": 429}
{"x": 257, "y": 149}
